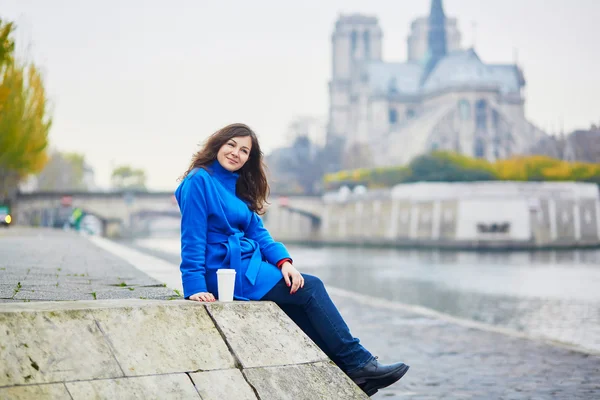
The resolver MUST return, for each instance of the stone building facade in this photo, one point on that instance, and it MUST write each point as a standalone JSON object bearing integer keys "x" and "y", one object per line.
{"x": 443, "y": 98}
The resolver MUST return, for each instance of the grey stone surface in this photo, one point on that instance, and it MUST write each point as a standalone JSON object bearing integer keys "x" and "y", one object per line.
{"x": 565, "y": 220}
{"x": 275, "y": 339}
{"x": 161, "y": 339}
{"x": 49, "y": 346}
{"x": 451, "y": 361}
{"x": 447, "y": 360}
{"x": 7, "y": 291}
{"x": 55, "y": 265}
{"x": 425, "y": 220}
{"x": 42, "y": 295}
{"x": 173, "y": 386}
{"x": 403, "y": 227}
{"x": 222, "y": 385}
{"x": 448, "y": 220}
{"x": 587, "y": 220}
{"x": 303, "y": 382}
{"x": 37, "y": 392}
{"x": 541, "y": 226}
{"x": 136, "y": 293}
{"x": 118, "y": 346}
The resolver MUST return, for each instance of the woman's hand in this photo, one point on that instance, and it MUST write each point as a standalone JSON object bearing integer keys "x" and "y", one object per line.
{"x": 203, "y": 296}
{"x": 292, "y": 277}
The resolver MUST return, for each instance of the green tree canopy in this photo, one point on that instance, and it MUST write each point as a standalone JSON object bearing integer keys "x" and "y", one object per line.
{"x": 126, "y": 177}
{"x": 436, "y": 168}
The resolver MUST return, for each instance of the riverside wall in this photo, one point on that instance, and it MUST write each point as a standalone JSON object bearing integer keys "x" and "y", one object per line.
{"x": 477, "y": 215}
{"x": 131, "y": 348}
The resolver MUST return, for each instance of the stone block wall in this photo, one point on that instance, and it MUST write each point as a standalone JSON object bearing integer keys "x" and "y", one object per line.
{"x": 161, "y": 349}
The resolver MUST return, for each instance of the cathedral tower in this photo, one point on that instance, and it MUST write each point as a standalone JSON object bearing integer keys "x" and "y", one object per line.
{"x": 356, "y": 40}
{"x": 436, "y": 37}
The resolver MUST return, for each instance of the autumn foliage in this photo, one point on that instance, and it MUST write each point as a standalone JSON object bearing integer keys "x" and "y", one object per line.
{"x": 452, "y": 167}
{"x": 24, "y": 116}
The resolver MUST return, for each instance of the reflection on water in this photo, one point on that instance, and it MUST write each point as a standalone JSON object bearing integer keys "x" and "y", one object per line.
{"x": 552, "y": 294}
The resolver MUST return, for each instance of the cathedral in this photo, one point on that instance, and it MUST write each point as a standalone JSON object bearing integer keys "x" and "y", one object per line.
{"x": 443, "y": 97}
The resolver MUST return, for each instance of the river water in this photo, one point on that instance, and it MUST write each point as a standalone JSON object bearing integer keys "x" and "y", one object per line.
{"x": 550, "y": 294}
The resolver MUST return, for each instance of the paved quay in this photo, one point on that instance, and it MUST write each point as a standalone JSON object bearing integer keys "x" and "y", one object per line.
{"x": 448, "y": 360}
{"x": 44, "y": 264}
{"x": 453, "y": 361}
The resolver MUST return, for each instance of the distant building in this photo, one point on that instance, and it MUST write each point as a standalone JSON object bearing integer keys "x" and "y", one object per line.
{"x": 581, "y": 145}
{"x": 314, "y": 128}
{"x": 442, "y": 98}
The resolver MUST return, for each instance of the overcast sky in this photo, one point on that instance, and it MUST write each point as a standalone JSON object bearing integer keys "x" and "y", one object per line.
{"x": 142, "y": 82}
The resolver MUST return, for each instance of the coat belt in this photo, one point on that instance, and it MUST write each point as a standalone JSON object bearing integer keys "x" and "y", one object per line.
{"x": 234, "y": 252}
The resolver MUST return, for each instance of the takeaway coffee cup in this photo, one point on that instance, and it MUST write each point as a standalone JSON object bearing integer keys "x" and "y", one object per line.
{"x": 226, "y": 283}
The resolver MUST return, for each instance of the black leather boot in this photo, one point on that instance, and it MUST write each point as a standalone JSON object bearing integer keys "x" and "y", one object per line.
{"x": 375, "y": 376}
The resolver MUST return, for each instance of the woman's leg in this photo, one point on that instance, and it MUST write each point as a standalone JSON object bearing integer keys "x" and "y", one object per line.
{"x": 299, "y": 316}
{"x": 325, "y": 319}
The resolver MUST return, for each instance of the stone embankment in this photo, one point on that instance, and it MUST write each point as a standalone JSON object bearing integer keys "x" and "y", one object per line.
{"x": 51, "y": 349}
{"x": 80, "y": 322}
{"x": 132, "y": 348}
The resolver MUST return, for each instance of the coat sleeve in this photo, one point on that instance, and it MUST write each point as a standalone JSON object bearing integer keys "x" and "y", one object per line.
{"x": 191, "y": 197}
{"x": 271, "y": 250}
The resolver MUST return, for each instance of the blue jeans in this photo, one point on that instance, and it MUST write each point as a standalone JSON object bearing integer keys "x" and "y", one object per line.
{"x": 313, "y": 311}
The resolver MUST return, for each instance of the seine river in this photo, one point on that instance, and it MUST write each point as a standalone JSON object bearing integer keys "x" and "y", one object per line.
{"x": 551, "y": 294}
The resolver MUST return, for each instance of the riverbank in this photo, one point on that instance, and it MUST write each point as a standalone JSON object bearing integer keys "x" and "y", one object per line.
{"x": 441, "y": 245}
{"x": 548, "y": 295}
{"x": 448, "y": 360}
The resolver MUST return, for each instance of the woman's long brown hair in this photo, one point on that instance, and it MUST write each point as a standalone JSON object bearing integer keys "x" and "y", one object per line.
{"x": 252, "y": 185}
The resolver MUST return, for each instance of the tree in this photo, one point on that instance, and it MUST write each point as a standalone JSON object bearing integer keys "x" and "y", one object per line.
{"x": 452, "y": 167}
{"x": 24, "y": 116}
{"x": 63, "y": 172}
{"x": 438, "y": 168}
{"x": 128, "y": 178}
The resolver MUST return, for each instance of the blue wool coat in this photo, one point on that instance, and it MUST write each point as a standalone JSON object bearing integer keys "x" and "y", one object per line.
{"x": 218, "y": 230}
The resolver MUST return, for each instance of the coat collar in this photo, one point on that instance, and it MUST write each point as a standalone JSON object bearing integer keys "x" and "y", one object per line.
{"x": 227, "y": 178}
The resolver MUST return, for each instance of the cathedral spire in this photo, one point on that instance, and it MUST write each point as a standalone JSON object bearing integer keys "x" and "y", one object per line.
{"x": 436, "y": 36}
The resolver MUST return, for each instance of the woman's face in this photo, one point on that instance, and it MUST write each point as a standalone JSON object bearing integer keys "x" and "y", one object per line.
{"x": 234, "y": 153}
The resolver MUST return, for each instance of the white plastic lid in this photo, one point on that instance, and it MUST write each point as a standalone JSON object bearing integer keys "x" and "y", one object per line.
{"x": 226, "y": 271}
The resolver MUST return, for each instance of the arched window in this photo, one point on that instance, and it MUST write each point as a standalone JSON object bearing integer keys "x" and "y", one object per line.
{"x": 367, "y": 40}
{"x": 464, "y": 109}
{"x": 481, "y": 115}
{"x": 393, "y": 116}
{"x": 353, "y": 40}
{"x": 410, "y": 113}
{"x": 479, "y": 149}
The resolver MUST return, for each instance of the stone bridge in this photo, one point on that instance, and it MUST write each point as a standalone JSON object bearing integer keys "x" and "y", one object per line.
{"x": 292, "y": 216}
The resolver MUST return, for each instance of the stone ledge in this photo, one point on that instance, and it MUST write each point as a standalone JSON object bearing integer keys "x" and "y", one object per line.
{"x": 140, "y": 348}
{"x": 274, "y": 339}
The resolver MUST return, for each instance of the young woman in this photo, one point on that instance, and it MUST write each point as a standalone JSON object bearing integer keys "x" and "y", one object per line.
{"x": 220, "y": 196}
